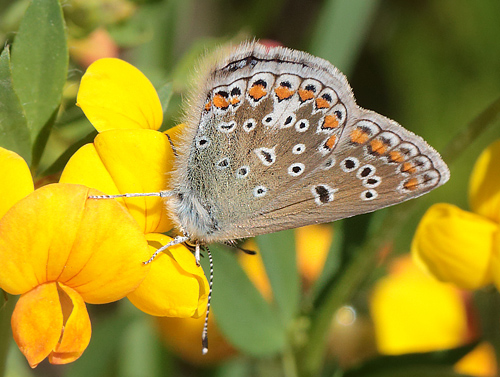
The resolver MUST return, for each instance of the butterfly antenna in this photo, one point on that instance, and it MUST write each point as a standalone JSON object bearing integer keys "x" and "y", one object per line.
{"x": 204, "y": 335}
{"x": 161, "y": 194}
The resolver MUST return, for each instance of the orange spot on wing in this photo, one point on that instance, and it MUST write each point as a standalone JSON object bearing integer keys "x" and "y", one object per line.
{"x": 235, "y": 100}
{"x": 359, "y": 136}
{"x": 208, "y": 105}
{"x": 378, "y": 146}
{"x": 408, "y": 167}
{"x": 396, "y": 156}
{"x": 411, "y": 184}
{"x": 257, "y": 92}
{"x": 220, "y": 101}
{"x": 283, "y": 92}
{"x": 322, "y": 103}
{"x": 330, "y": 122}
{"x": 305, "y": 94}
{"x": 330, "y": 143}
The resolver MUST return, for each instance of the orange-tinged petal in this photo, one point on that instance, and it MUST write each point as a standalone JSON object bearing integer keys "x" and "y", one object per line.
{"x": 77, "y": 330}
{"x": 481, "y": 361}
{"x": 436, "y": 320}
{"x": 127, "y": 161}
{"x": 115, "y": 95}
{"x": 183, "y": 336}
{"x": 484, "y": 185}
{"x": 253, "y": 265}
{"x": 37, "y": 322}
{"x": 16, "y": 179}
{"x": 85, "y": 167}
{"x": 455, "y": 245}
{"x": 58, "y": 234}
{"x": 175, "y": 285}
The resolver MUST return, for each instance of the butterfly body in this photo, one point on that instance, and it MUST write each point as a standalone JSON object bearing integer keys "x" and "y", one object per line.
{"x": 275, "y": 140}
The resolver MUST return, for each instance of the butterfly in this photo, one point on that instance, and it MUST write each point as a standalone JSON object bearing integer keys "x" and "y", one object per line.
{"x": 275, "y": 140}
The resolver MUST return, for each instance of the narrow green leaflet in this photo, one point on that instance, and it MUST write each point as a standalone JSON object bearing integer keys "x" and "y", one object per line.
{"x": 242, "y": 314}
{"x": 341, "y": 29}
{"x": 14, "y": 133}
{"x": 40, "y": 63}
{"x": 279, "y": 256}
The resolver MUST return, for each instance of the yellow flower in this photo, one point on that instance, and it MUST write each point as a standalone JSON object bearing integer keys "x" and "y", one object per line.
{"x": 16, "y": 177}
{"x": 413, "y": 312}
{"x": 464, "y": 247}
{"x": 129, "y": 156}
{"x": 59, "y": 250}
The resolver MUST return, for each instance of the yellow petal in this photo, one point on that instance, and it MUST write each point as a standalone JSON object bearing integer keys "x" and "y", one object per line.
{"x": 484, "y": 185}
{"x": 455, "y": 246}
{"x": 16, "y": 179}
{"x": 127, "y": 161}
{"x": 76, "y": 331}
{"x": 495, "y": 259}
{"x": 312, "y": 243}
{"x": 175, "y": 286}
{"x": 404, "y": 324}
{"x": 58, "y": 234}
{"x": 37, "y": 322}
{"x": 115, "y": 95}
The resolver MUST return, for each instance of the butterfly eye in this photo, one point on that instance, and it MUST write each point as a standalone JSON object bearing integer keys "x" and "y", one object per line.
{"x": 369, "y": 195}
{"x": 249, "y": 125}
{"x": 242, "y": 172}
{"x": 302, "y": 125}
{"x": 365, "y": 171}
{"x": 298, "y": 148}
{"x": 223, "y": 163}
{"x": 259, "y": 191}
{"x": 349, "y": 164}
{"x": 202, "y": 142}
{"x": 296, "y": 169}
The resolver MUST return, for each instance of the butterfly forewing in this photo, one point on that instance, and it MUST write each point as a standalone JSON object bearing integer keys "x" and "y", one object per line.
{"x": 279, "y": 143}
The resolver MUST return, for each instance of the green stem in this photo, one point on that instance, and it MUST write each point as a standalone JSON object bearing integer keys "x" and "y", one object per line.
{"x": 356, "y": 273}
{"x": 468, "y": 134}
{"x": 289, "y": 363}
{"x": 6, "y": 309}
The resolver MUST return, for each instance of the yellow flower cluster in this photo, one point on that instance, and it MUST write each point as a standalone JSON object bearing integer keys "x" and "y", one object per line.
{"x": 60, "y": 249}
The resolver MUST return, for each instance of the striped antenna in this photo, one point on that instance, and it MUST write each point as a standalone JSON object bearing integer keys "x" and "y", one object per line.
{"x": 161, "y": 194}
{"x": 204, "y": 335}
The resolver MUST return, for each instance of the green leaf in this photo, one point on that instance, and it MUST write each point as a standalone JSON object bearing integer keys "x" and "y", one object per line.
{"x": 104, "y": 347}
{"x": 165, "y": 93}
{"x": 140, "y": 353}
{"x": 7, "y": 303}
{"x": 242, "y": 314}
{"x": 14, "y": 133}
{"x": 340, "y": 31}
{"x": 40, "y": 64}
{"x": 438, "y": 363}
{"x": 280, "y": 259}
{"x": 59, "y": 164}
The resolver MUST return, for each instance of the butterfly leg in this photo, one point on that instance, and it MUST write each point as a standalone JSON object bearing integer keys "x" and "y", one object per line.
{"x": 177, "y": 240}
{"x": 197, "y": 254}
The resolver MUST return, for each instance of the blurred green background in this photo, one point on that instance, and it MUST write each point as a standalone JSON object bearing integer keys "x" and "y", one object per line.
{"x": 433, "y": 66}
